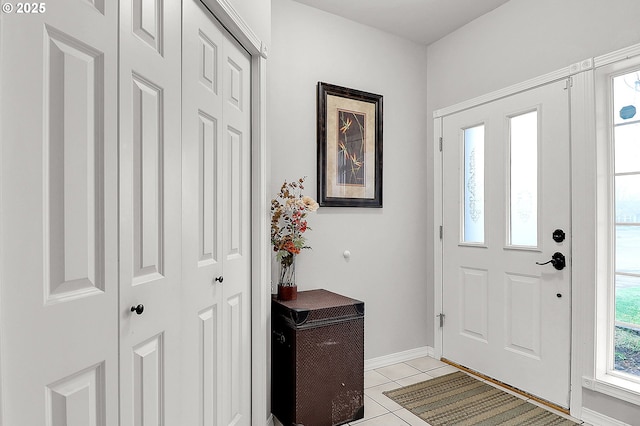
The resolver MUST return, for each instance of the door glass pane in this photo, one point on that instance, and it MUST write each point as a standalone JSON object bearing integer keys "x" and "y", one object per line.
{"x": 628, "y": 199}
{"x": 473, "y": 222}
{"x": 626, "y": 101}
{"x": 627, "y": 324}
{"x": 627, "y": 148}
{"x": 523, "y": 205}
{"x": 628, "y": 250}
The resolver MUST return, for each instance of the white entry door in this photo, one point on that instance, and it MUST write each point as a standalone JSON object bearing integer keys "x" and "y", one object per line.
{"x": 506, "y": 190}
{"x": 150, "y": 213}
{"x": 216, "y": 312}
{"x": 59, "y": 268}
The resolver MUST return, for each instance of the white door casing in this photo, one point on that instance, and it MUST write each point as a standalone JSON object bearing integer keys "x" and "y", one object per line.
{"x": 216, "y": 223}
{"x": 507, "y": 317}
{"x": 59, "y": 215}
{"x": 150, "y": 212}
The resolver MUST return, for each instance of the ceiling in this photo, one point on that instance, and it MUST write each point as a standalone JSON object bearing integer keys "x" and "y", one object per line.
{"x": 423, "y": 21}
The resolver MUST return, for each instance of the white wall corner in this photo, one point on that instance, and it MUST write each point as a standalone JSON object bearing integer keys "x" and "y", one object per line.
{"x": 598, "y": 419}
{"x": 386, "y": 360}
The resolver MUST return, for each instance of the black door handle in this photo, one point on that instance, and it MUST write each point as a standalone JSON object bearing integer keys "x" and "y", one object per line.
{"x": 138, "y": 309}
{"x": 557, "y": 260}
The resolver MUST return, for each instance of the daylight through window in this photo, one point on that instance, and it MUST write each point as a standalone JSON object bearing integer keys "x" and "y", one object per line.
{"x": 626, "y": 218}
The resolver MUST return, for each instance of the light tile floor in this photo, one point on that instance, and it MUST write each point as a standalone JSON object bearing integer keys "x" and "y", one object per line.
{"x": 382, "y": 411}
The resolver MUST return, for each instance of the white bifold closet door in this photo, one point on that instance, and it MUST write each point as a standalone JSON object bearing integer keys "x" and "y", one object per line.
{"x": 59, "y": 270}
{"x": 110, "y": 316}
{"x": 216, "y": 193}
{"x": 150, "y": 213}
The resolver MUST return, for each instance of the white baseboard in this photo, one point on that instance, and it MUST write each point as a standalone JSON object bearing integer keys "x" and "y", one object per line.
{"x": 383, "y": 361}
{"x": 270, "y": 421}
{"x": 596, "y": 419}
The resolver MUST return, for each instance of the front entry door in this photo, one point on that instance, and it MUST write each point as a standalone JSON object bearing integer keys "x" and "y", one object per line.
{"x": 506, "y": 191}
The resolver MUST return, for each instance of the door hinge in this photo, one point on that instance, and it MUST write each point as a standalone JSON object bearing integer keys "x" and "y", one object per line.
{"x": 441, "y": 232}
{"x": 568, "y": 83}
{"x": 441, "y": 316}
{"x": 440, "y": 143}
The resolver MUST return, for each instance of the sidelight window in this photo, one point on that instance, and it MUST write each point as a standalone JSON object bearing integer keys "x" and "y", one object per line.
{"x": 618, "y": 295}
{"x": 625, "y": 223}
{"x": 473, "y": 190}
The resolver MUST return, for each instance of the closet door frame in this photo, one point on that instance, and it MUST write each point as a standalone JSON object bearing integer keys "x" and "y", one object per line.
{"x": 260, "y": 244}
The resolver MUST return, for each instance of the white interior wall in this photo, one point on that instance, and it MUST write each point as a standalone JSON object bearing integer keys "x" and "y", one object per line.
{"x": 518, "y": 41}
{"x": 257, "y": 15}
{"x": 387, "y": 269}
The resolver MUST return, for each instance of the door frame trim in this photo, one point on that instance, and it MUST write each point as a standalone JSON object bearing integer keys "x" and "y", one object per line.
{"x": 542, "y": 80}
{"x": 577, "y": 69}
{"x": 224, "y": 12}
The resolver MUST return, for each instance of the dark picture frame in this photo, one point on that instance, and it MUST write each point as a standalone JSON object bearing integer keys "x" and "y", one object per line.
{"x": 349, "y": 147}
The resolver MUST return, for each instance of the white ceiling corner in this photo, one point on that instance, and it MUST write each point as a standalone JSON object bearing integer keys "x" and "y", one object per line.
{"x": 422, "y": 21}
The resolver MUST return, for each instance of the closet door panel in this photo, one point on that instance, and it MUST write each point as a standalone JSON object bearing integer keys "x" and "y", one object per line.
{"x": 202, "y": 235}
{"x": 216, "y": 232}
{"x": 58, "y": 228}
{"x": 150, "y": 213}
{"x": 236, "y": 334}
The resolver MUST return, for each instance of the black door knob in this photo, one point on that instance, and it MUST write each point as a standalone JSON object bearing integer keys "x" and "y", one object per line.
{"x": 138, "y": 309}
{"x": 220, "y": 279}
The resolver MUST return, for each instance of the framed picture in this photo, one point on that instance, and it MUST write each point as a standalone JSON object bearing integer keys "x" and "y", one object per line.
{"x": 349, "y": 147}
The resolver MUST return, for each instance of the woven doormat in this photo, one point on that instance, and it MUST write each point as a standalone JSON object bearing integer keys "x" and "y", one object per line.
{"x": 459, "y": 399}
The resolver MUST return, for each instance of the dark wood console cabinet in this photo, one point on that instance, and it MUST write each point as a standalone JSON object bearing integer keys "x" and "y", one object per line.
{"x": 318, "y": 359}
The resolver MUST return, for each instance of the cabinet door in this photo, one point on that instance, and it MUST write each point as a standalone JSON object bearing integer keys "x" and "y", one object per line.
{"x": 216, "y": 223}
{"x": 58, "y": 224}
{"x": 150, "y": 221}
